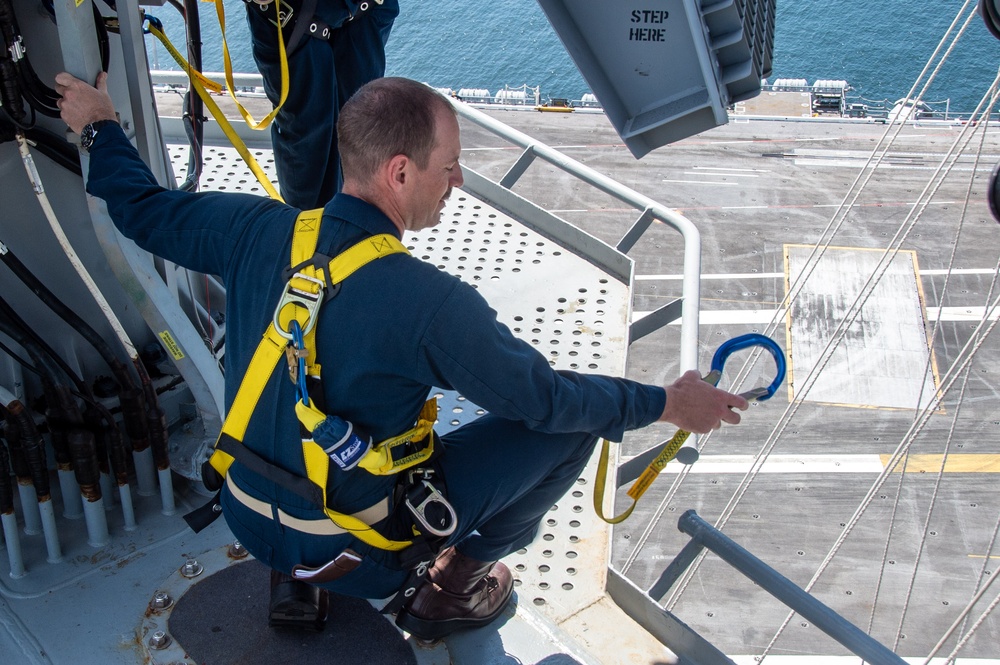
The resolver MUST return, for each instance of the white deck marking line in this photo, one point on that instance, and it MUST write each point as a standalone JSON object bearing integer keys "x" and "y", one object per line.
{"x": 726, "y": 276}
{"x": 726, "y": 168}
{"x": 730, "y": 316}
{"x": 657, "y": 277}
{"x": 725, "y": 174}
{"x": 702, "y": 182}
{"x": 782, "y": 464}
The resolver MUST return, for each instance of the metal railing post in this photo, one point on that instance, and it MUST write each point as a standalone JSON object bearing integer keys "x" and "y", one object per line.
{"x": 779, "y": 586}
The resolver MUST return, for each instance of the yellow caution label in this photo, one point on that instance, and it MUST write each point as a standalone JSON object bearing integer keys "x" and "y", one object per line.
{"x": 171, "y": 345}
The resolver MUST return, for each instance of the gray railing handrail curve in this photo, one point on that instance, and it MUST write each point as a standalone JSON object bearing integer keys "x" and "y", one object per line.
{"x": 648, "y": 208}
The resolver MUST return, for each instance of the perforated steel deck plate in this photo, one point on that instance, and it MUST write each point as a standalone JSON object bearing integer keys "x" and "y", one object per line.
{"x": 573, "y": 312}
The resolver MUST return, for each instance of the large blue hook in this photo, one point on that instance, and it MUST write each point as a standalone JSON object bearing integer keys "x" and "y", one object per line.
{"x": 744, "y": 342}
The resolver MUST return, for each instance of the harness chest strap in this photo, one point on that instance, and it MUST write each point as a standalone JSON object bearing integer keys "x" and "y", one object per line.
{"x": 308, "y": 280}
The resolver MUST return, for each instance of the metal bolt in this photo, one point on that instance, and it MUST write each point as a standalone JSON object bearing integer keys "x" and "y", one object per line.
{"x": 237, "y": 551}
{"x": 161, "y": 601}
{"x": 192, "y": 568}
{"x": 159, "y": 640}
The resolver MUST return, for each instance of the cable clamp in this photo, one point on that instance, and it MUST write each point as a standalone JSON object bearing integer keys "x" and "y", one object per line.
{"x": 17, "y": 49}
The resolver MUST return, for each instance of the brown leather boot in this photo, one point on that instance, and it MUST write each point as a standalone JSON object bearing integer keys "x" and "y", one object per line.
{"x": 461, "y": 593}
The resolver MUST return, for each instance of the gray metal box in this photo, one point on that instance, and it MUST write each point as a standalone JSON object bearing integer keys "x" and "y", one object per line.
{"x": 666, "y": 69}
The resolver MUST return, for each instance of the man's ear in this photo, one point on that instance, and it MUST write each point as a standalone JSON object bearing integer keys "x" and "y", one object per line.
{"x": 397, "y": 170}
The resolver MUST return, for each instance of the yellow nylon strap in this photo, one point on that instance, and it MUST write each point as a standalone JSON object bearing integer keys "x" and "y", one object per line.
{"x": 642, "y": 483}
{"x": 646, "y": 478}
{"x": 272, "y": 349}
{"x": 269, "y": 351}
{"x": 282, "y": 56}
{"x": 317, "y": 470}
{"x": 227, "y": 128}
{"x": 304, "y": 238}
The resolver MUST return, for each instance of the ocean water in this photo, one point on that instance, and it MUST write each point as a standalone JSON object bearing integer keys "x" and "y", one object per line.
{"x": 878, "y": 46}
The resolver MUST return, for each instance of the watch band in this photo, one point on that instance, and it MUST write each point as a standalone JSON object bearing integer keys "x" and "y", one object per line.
{"x": 89, "y": 133}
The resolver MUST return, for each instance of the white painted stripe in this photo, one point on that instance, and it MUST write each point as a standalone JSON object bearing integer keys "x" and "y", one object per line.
{"x": 659, "y": 277}
{"x": 959, "y": 313}
{"x": 703, "y": 182}
{"x": 960, "y": 271}
{"x": 732, "y": 275}
{"x": 761, "y": 316}
{"x": 726, "y": 316}
{"x": 727, "y": 175}
{"x": 726, "y": 168}
{"x": 782, "y": 464}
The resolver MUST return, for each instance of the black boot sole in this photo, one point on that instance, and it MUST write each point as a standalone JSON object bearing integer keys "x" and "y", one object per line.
{"x": 428, "y": 630}
{"x": 298, "y": 605}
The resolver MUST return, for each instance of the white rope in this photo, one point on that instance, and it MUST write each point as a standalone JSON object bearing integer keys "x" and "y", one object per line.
{"x": 67, "y": 247}
{"x": 927, "y": 369}
{"x": 962, "y": 616}
{"x": 902, "y": 233}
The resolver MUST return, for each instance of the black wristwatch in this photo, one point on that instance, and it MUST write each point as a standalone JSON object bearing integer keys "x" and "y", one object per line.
{"x": 89, "y": 133}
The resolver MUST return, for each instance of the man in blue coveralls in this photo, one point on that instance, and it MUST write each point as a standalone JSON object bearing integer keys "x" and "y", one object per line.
{"x": 333, "y": 48}
{"x": 397, "y": 327}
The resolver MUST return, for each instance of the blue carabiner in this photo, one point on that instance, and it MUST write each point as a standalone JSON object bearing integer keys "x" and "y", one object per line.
{"x": 745, "y": 341}
{"x": 299, "y": 342}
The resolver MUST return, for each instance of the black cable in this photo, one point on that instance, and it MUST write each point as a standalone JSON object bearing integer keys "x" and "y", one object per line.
{"x": 194, "y": 110}
{"x": 75, "y": 447}
{"x": 130, "y": 395}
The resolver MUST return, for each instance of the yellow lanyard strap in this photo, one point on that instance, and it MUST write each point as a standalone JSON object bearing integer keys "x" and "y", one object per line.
{"x": 646, "y": 478}
{"x": 282, "y": 56}
{"x": 197, "y": 78}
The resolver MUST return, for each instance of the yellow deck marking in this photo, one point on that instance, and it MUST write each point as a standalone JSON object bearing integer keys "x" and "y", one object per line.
{"x": 963, "y": 463}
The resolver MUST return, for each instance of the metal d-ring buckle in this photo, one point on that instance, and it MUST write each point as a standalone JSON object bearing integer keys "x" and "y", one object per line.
{"x": 419, "y": 510}
{"x": 308, "y": 301}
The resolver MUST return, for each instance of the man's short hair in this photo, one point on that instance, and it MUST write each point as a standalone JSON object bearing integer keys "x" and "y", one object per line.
{"x": 387, "y": 117}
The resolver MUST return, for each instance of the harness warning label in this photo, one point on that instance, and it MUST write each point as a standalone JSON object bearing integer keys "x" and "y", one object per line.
{"x": 644, "y": 20}
{"x": 171, "y": 345}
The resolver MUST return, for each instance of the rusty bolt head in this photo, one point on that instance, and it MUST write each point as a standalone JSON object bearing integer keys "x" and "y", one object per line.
{"x": 192, "y": 568}
{"x": 159, "y": 640}
{"x": 237, "y": 551}
{"x": 161, "y": 601}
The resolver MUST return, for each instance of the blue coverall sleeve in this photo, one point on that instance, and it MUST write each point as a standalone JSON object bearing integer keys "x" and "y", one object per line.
{"x": 468, "y": 349}
{"x": 197, "y": 231}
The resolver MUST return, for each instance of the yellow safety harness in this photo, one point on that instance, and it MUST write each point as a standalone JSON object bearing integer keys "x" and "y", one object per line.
{"x": 313, "y": 279}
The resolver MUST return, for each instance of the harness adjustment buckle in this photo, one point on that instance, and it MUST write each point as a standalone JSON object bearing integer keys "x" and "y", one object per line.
{"x": 442, "y": 519}
{"x": 308, "y": 301}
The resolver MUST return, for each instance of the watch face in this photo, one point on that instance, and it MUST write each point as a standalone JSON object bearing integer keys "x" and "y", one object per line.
{"x": 87, "y": 137}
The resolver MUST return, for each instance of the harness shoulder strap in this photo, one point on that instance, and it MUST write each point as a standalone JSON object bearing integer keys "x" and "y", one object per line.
{"x": 308, "y": 282}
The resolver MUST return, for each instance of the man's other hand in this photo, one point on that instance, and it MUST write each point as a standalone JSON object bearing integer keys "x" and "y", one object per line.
{"x": 82, "y": 103}
{"x": 699, "y": 407}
